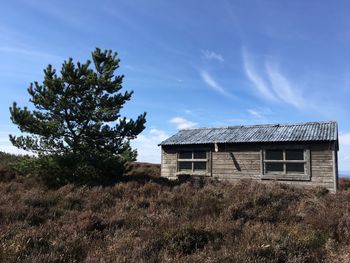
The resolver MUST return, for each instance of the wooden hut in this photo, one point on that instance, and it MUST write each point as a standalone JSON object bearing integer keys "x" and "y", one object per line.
{"x": 301, "y": 154}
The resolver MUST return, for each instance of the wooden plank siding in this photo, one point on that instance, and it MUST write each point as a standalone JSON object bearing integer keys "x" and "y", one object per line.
{"x": 169, "y": 163}
{"x": 242, "y": 161}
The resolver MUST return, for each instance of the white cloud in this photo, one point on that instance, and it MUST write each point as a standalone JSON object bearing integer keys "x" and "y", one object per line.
{"x": 255, "y": 113}
{"x": 344, "y": 138}
{"x": 211, "y": 55}
{"x": 260, "y": 113}
{"x": 4, "y": 139}
{"x": 6, "y": 146}
{"x": 255, "y": 78}
{"x": 13, "y": 150}
{"x": 209, "y": 80}
{"x": 344, "y": 151}
{"x": 182, "y": 123}
{"x": 129, "y": 67}
{"x": 29, "y": 52}
{"x": 283, "y": 88}
{"x": 72, "y": 17}
{"x": 275, "y": 86}
{"x": 147, "y": 145}
{"x": 344, "y": 158}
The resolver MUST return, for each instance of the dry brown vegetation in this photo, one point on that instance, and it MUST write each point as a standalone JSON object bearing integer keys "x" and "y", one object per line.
{"x": 147, "y": 219}
{"x": 146, "y": 169}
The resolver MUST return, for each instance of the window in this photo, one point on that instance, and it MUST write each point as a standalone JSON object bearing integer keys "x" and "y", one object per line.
{"x": 192, "y": 161}
{"x": 285, "y": 161}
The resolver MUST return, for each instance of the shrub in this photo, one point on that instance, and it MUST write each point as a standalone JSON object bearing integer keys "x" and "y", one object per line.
{"x": 7, "y": 166}
{"x": 303, "y": 239}
{"x": 155, "y": 221}
{"x": 143, "y": 204}
{"x": 57, "y": 170}
{"x": 137, "y": 168}
{"x": 344, "y": 183}
{"x": 265, "y": 205}
{"x": 188, "y": 240}
{"x": 7, "y": 174}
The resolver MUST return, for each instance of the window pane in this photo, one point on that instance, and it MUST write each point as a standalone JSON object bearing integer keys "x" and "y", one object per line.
{"x": 274, "y": 155}
{"x": 200, "y": 155}
{"x": 274, "y": 167}
{"x": 199, "y": 166}
{"x": 185, "y": 166}
{"x": 294, "y": 154}
{"x": 185, "y": 155}
{"x": 295, "y": 167}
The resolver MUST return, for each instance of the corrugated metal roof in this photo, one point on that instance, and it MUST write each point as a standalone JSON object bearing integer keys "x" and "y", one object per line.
{"x": 308, "y": 131}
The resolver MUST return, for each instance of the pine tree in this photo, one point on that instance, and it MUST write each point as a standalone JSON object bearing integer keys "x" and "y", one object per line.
{"x": 78, "y": 111}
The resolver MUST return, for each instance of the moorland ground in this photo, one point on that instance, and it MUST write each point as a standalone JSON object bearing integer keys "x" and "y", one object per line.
{"x": 144, "y": 218}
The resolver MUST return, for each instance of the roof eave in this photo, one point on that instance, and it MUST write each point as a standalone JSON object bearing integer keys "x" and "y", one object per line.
{"x": 197, "y": 143}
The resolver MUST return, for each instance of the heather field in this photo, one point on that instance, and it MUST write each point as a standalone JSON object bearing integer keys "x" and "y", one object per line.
{"x": 144, "y": 218}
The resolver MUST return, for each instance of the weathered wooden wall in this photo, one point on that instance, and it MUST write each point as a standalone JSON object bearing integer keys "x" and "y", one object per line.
{"x": 322, "y": 173}
{"x": 234, "y": 162}
{"x": 169, "y": 162}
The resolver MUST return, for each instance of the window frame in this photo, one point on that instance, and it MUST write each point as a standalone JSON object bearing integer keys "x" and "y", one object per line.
{"x": 284, "y": 175}
{"x": 193, "y": 160}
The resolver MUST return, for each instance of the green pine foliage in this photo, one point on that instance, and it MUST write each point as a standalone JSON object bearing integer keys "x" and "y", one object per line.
{"x": 76, "y": 120}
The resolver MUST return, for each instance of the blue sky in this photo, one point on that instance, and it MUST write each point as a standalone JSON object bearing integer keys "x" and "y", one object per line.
{"x": 191, "y": 63}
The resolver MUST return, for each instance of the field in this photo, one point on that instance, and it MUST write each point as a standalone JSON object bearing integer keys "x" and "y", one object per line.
{"x": 144, "y": 218}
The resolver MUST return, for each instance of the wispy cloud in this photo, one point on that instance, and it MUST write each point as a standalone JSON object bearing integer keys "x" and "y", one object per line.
{"x": 211, "y": 55}
{"x": 258, "y": 82}
{"x": 147, "y": 145}
{"x": 259, "y": 115}
{"x": 283, "y": 88}
{"x": 182, "y": 123}
{"x": 150, "y": 38}
{"x": 29, "y": 52}
{"x": 271, "y": 83}
{"x": 73, "y": 17}
{"x": 211, "y": 82}
{"x": 255, "y": 113}
{"x": 129, "y": 67}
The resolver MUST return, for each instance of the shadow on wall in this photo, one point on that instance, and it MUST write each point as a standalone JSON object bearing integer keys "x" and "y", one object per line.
{"x": 236, "y": 164}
